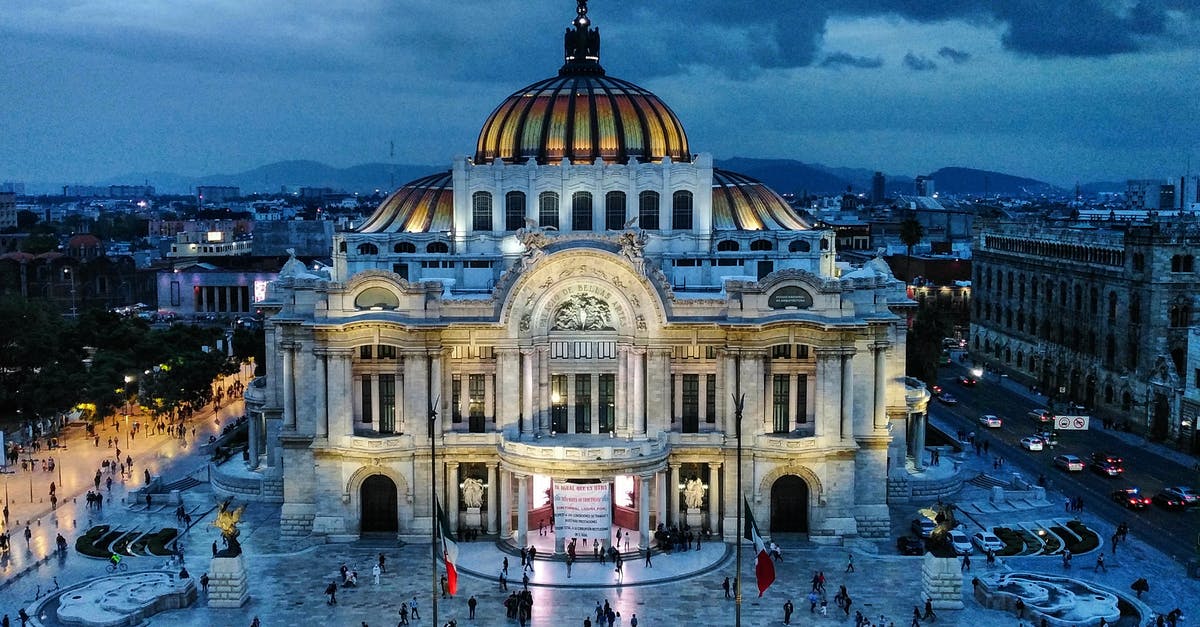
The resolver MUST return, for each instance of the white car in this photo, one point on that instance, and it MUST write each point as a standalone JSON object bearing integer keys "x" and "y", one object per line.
{"x": 986, "y": 540}
{"x": 990, "y": 421}
{"x": 959, "y": 542}
{"x": 1031, "y": 443}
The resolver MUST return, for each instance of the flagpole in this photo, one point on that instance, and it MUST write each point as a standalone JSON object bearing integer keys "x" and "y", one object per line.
{"x": 738, "y": 403}
{"x": 433, "y": 508}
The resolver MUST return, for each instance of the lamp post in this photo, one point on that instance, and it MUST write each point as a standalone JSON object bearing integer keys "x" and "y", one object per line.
{"x": 433, "y": 530}
{"x": 739, "y": 401}
{"x": 128, "y": 407}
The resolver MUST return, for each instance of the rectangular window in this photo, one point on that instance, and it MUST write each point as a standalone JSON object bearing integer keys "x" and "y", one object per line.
{"x": 710, "y": 398}
{"x": 476, "y": 391}
{"x": 548, "y": 209}
{"x": 781, "y": 351}
{"x": 456, "y": 399}
{"x": 608, "y": 402}
{"x": 364, "y": 352}
{"x": 514, "y": 211}
{"x": 174, "y": 293}
{"x": 583, "y": 403}
{"x": 558, "y": 403}
{"x": 387, "y": 403}
{"x": 366, "y": 408}
{"x": 614, "y": 211}
{"x": 780, "y": 405}
{"x": 648, "y": 211}
{"x": 401, "y": 269}
{"x": 481, "y": 211}
{"x": 802, "y": 398}
{"x": 691, "y": 403}
{"x": 387, "y": 351}
{"x": 681, "y": 210}
{"x": 581, "y": 211}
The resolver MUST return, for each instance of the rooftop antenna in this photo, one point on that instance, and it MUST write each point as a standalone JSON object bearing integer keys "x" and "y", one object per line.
{"x": 391, "y": 165}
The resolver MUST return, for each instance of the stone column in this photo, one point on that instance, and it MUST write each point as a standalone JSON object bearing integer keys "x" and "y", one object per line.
{"x": 289, "y": 385}
{"x": 435, "y": 392}
{"x": 714, "y": 497}
{"x": 918, "y": 440}
{"x": 505, "y": 504}
{"x": 752, "y": 386}
{"x": 620, "y": 397}
{"x": 639, "y": 392}
{"x": 543, "y": 380}
{"x": 489, "y": 398}
{"x": 660, "y": 499}
{"x": 644, "y": 512}
{"x": 794, "y": 411}
{"x": 338, "y": 392}
{"x": 726, "y": 389}
{"x": 673, "y": 492}
{"x": 522, "y": 509}
{"x": 528, "y": 390}
{"x": 703, "y": 398}
{"x": 320, "y": 391}
{"x": 847, "y": 396}
{"x": 451, "y": 499}
{"x": 254, "y": 420}
{"x": 508, "y": 388}
{"x": 493, "y": 488}
{"x": 376, "y": 413}
{"x": 828, "y": 398}
{"x": 879, "y": 417}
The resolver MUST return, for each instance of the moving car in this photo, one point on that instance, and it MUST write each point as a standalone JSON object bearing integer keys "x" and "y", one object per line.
{"x": 1031, "y": 443}
{"x": 1041, "y": 415}
{"x": 1167, "y": 500}
{"x": 1131, "y": 498}
{"x": 909, "y": 545}
{"x": 1070, "y": 463}
{"x": 959, "y": 543}
{"x": 990, "y": 421}
{"x": 923, "y": 527}
{"x": 1107, "y": 468}
{"x": 936, "y": 389}
{"x": 986, "y": 540}
{"x": 1049, "y": 438}
{"x": 968, "y": 380}
{"x": 1190, "y": 497}
{"x": 1107, "y": 457}
{"x": 948, "y": 398}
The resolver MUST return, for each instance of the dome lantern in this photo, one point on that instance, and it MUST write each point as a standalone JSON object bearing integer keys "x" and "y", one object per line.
{"x": 581, "y": 45}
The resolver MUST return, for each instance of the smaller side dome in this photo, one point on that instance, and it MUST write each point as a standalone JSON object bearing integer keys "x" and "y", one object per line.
{"x": 422, "y": 206}
{"x": 741, "y": 203}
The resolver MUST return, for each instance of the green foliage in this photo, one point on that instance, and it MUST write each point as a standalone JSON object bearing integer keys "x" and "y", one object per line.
{"x": 250, "y": 344}
{"x": 1014, "y": 544}
{"x": 925, "y": 342}
{"x": 39, "y": 243}
{"x": 1088, "y": 539}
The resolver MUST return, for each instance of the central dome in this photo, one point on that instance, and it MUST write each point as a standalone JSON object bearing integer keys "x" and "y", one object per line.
{"x": 582, "y": 115}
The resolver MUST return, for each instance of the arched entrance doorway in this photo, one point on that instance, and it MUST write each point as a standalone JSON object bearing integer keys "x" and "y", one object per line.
{"x": 789, "y": 505}
{"x": 379, "y": 513}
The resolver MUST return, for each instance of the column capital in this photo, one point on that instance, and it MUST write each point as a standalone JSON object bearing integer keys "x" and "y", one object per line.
{"x": 452, "y": 465}
{"x": 881, "y": 345}
{"x": 827, "y": 352}
{"x": 493, "y": 465}
{"x": 289, "y": 345}
{"x": 675, "y": 466}
{"x": 519, "y": 476}
{"x": 714, "y": 465}
{"x": 506, "y": 351}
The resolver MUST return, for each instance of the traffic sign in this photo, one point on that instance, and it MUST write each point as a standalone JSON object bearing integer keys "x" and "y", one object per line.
{"x": 1072, "y": 423}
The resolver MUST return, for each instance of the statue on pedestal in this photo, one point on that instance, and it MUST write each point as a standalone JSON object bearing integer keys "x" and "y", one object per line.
{"x": 472, "y": 491}
{"x": 227, "y": 521}
{"x": 693, "y": 493}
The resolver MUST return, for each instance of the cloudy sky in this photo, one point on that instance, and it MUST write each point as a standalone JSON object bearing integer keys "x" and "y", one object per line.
{"x": 1061, "y": 90}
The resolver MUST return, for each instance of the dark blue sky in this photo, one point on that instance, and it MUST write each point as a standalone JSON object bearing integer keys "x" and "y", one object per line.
{"x": 1061, "y": 90}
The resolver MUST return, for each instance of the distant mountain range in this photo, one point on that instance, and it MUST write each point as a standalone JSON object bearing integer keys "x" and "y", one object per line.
{"x": 782, "y": 175}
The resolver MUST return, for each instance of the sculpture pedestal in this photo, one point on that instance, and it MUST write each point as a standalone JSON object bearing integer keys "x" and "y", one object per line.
{"x": 473, "y": 519}
{"x": 694, "y": 517}
{"x": 227, "y": 582}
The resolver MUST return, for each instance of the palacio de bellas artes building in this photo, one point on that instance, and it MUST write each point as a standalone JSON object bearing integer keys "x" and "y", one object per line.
{"x": 580, "y": 303}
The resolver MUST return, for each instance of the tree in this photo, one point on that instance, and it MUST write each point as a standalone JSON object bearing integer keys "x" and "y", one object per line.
{"x": 924, "y": 344}
{"x": 911, "y": 234}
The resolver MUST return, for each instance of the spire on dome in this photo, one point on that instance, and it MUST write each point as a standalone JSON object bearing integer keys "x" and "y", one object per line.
{"x": 581, "y": 45}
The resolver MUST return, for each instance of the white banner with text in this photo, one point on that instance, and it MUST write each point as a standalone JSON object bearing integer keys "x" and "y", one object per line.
{"x": 583, "y": 510}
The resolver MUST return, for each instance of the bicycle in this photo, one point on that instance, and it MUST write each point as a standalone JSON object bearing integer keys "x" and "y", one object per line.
{"x": 113, "y": 567}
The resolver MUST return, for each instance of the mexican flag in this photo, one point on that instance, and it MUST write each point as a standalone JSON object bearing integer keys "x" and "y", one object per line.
{"x": 764, "y": 570}
{"x": 449, "y": 550}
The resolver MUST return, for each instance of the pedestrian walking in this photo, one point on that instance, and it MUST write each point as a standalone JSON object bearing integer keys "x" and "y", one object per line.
{"x": 504, "y": 566}
{"x": 375, "y": 571}
{"x": 648, "y": 563}
{"x": 725, "y": 585}
{"x": 331, "y": 592}
{"x": 966, "y": 563}
{"x": 502, "y": 580}
{"x": 471, "y": 603}
{"x": 412, "y": 608}
{"x": 1100, "y": 564}
{"x": 382, "y": 563}
{"x": 204, "y": 583}
{"x": 929, "y": 615}
{"x": 787, "y": 612}
{"x": 849, "y": 562}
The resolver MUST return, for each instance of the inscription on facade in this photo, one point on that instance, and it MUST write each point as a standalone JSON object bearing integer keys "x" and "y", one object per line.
{"x": 790, "y": 297}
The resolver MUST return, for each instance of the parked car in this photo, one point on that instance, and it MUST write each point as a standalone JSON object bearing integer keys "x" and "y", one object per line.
{"x": 967, "y": 380}
{"x": 1107, "y": 457}
{"x": 948, "y": 398}
{"x": 1190, "y": 497}
{"x": 1107, "y": 468}
{"x": 1041, "y": 416}
{"x": 908, "y": 545}
{"x": 1131, "y": 498}
{"x": 1070, "y": 463}
{"x": 1167, "y": 500}
{"x": 1031, "y": 443}
{"x": 986, "y": 540}
{"x": 923, "y": 527}
{"x": 959, "y": 543}
{"x": 990, "y": 421}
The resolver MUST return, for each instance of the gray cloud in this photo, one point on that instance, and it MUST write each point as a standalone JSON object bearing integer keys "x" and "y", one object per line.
{"x": 918, "y": 63}
{"x": 953, "y": 55}
{"x": 845, "y": 59}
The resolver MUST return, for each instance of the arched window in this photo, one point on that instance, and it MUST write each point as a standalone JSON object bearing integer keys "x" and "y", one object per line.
{"x": 614, "y": 211}
{"x": 761, "y": 244}
{"x": 681, "y": 210}
{"x": 1020, "y": 358}
{"x": 548, "y": 209}
{"x": 799, "y": 246}
{"x": 481, "y": 211}
{"x": 727, "y": 246}
{"x": 367, "y": 249}
{"x": 376, "y": 297}
{"x": 437, "y": 248}
{"x": 342, "y": 247}
{"x": 581, "y": 211}
{"x": 648, "y": 210}
{"x": 824, "y": 244}
{"x": 514, "y": 211}
{"x": 404, "y": 247}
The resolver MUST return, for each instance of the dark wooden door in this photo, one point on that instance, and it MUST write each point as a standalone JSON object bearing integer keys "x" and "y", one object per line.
{"x": 379, "y": 512}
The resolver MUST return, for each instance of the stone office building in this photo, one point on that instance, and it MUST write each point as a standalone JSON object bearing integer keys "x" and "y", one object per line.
{"x": 1101, "y": 313}
{"x": 581, "y": 302}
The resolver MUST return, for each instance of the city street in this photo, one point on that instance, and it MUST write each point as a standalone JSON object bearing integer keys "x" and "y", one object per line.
{"x": 1148, "y": 466}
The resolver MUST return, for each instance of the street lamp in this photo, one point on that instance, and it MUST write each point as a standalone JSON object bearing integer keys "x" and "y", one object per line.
{"x": 128, "y": 397}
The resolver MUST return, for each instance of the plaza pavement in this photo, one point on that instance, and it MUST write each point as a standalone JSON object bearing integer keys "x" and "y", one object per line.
{"x": 286, "y": 577}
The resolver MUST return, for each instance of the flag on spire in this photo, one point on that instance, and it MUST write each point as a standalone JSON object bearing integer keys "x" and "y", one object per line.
{"x": 764, "y": 570}
{"x": 449, "y": 550}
